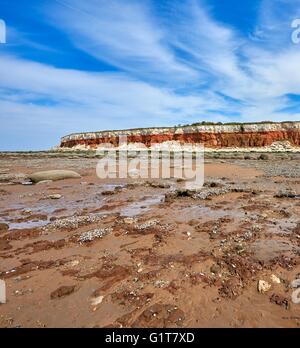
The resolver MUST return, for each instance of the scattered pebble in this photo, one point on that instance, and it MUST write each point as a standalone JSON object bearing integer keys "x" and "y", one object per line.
{"x": 275, "y": 279}
{"x": 55, "y": 196}
{"x": 129, "y": 220}
{"x": 263, "y": 286}
{"x": 62, "y": 291}
{"x": 73, "y": 222}
{"x": 215, "y": 269}
{"x": 161, "y": 283}
{"x": 44, "y": 182}
{"x": 94, "y": 234}
{"x": 97, "y": 300}
{"x": 148, "y": 224}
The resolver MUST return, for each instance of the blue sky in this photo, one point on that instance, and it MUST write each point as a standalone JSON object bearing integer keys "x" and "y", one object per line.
{"x": 83, "y": 65}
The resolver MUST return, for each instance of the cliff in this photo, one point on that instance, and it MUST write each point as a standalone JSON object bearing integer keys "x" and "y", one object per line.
{"x": 216, "y": 136}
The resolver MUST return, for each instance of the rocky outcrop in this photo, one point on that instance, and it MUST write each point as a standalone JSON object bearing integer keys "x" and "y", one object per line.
{"x": 216, "y": 136}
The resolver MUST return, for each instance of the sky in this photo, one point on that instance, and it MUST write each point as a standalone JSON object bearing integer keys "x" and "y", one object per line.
{"x": 88, "y": 65}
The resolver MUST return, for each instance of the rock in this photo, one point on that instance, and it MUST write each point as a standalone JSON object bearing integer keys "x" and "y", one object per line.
{"x": 73, "y": 263}
{"x": 184, "y": 193}
{"x": 263, "y": 286}
{"x": 17, "y": 178}
{"x": 147, "y": 224}
{"x": 26, "y": 212}
{"x": 215, "y": 269}
{"x": 97, "y": 300}
{"x": 161, "y": 283}
{"x": 108, "y": 192}
{"x": 3, "y": 227}
{"x": 239, "y": 248}
{"x": 94, "y": 234}
{"x": 164, "y": 185}
{"x": 20, "y": 278}
{"x": 156, "y": 184}
{"x": 296, "y": 282}
{"x": 179, "y": 180}
{"x": 129, "y": 220}
{"x": 26, "y": 183}
{"x": 2, "y": 292}
{"x": 62, "y": 291}
{"x": 208, "y": 192}
{"x": 44, "y": 182}
{"x": 248, "y": 235}
{"x": 119, "y": 189}
{"x": 169, "y": 197}
{"x": 263, "y": 157}
{"x": 286, "y": 194}
{"x": 72, "y": 222}
{"x": 280, "y": 301}
{"x": 134, "y": 185}
{"x": 281, "y": 146}
{"x": 55, "y": 196}
{"x": 213, "y": 184}
{"x": 275, "y": 279}
{"x": 53, "y": 175}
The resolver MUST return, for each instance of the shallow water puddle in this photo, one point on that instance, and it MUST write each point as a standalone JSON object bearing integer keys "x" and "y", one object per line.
{"x": 141, "y": 207}
{"x": 27, "y": 224}
{"x": 202, "y": 211}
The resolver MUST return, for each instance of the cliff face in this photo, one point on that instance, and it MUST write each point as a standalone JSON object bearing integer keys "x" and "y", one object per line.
{"x": 212, "y": 136}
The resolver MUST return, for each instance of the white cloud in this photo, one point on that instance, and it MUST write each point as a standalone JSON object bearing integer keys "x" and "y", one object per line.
{"x": 122, "y": 33}
{"x": 133, "y": 37}
{"x": 65, "y": 101}
{"x": 37, "y": 81}
{"x": 173, "y": 69}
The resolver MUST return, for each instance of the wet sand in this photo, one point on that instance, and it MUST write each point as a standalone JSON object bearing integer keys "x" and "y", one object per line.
{"x": 130, "y": 253}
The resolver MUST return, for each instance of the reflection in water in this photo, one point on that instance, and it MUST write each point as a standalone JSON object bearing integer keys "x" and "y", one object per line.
{"x": 64, "y": 206}
{"x": 138, "y": 208}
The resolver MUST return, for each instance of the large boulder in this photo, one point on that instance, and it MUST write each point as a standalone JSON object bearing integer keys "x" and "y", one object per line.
{"x": 53, "y": 175}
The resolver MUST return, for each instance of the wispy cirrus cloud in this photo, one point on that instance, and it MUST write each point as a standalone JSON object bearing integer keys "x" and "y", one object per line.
{"x": 174, "y": 63}
{"x": 187, "y": 47}
{"x": 122, "y": 33}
